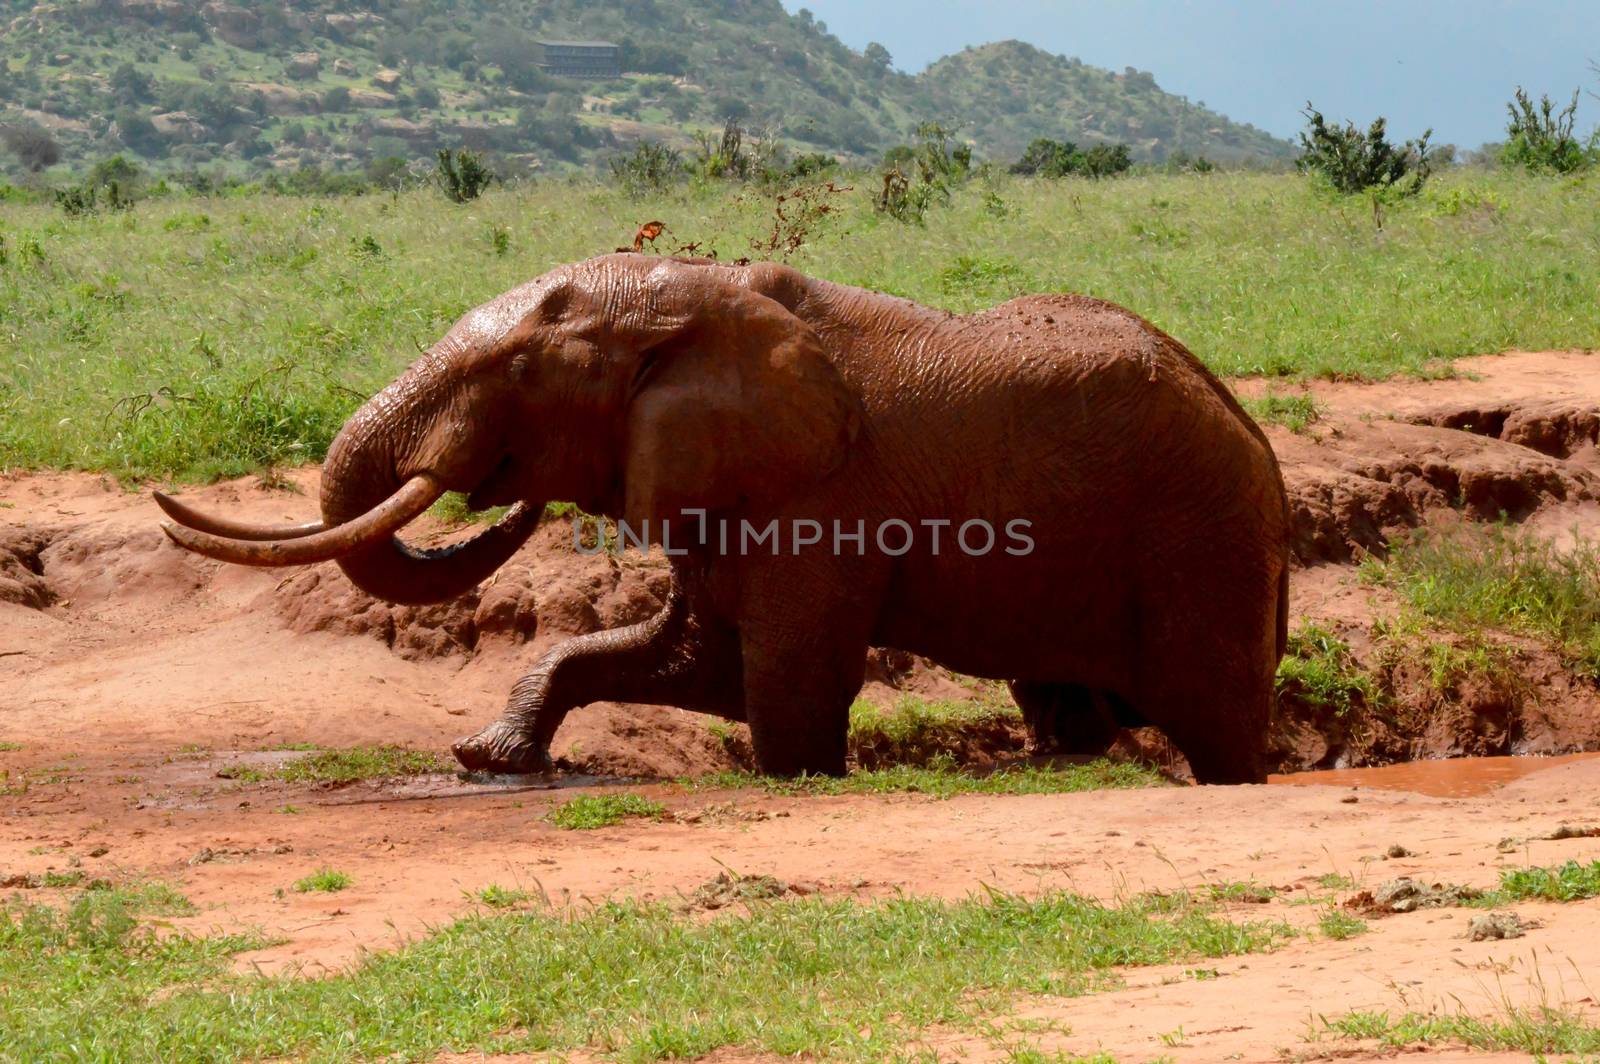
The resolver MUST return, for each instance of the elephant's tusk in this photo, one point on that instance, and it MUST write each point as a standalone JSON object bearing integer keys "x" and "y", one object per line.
{"x": 221, "y": 526}
{"x": 374, "y": 526}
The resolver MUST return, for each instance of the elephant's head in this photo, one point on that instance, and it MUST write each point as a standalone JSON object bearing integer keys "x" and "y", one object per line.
{"x": 633, "y": 386}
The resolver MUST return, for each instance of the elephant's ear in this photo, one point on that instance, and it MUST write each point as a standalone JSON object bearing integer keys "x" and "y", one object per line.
{"x": 735, "y": 402}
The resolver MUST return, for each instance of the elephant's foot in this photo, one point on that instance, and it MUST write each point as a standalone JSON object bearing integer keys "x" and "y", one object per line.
{"x": 502, "y": 747}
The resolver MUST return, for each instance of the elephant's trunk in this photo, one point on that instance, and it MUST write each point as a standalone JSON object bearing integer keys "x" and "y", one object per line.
{"x": 361, "y": 472}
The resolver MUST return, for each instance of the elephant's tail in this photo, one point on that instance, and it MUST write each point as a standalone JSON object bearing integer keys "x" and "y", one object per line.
{"x": 1283, "y": 609}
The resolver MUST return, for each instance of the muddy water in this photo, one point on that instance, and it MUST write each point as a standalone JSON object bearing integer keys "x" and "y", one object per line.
{"x": 1461, "y": 777}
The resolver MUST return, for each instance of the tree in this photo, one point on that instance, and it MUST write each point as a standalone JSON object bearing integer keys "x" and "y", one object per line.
{"x": 1540, "y": 138}
{"x": 1354, "y": 161}
{"x": 462, "y": 175}
{"x": 129, "y": 84}
{"x": 1049, "y": 158}
{"x": 878, "y": 56}
{"x": 32, "y": 144}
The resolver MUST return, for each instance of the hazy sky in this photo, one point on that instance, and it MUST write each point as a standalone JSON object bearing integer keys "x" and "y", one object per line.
{"x": 1449, "y": 64}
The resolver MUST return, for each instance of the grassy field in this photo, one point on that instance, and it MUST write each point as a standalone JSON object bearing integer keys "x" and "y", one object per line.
{"x": 196, "y": 338}
{"x": 822, "y": 977}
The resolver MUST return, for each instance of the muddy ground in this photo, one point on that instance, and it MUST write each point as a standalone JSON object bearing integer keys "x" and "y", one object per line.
{"x": 131, "y": 673}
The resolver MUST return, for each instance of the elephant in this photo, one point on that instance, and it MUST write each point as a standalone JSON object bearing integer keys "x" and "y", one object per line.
{"x": 1052, "y": 492}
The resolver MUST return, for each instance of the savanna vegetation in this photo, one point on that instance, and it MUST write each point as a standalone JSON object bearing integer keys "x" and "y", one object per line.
{"x": 196, "y": 337}
{"x": 825, "y": 977}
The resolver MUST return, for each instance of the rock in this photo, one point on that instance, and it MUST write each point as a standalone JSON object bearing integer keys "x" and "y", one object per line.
{"x": 1491, "y": 926}
{"x": 1397, "y": 851}
{"x": 1406, "y": 895}
{"x": 345, "y": 68}
{"x": 304, "y": 66}
{"x": 387, "y": 80}
{"x": 180, "y": 125}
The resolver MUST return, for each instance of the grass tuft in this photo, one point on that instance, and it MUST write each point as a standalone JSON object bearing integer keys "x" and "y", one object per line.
{"x": 1501, "y": 577}
{"x": 917, "y": 732}
{"x": 362, "y": 763}
{"x": 497, "y": 897}
{"x": 1320, "y": 670}
{"x": 1340, "y": 925}
{"x": 1537, "y": 1030}
{"x": 590, "y": 811}
{"x": 1294, "y": 412}
{"x": 346, "y": 765}
{"x": 1568, "y": 882}
{"x": 323, "y": 880}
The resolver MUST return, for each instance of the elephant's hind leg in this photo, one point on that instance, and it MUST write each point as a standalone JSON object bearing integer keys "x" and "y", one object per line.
{"x": 678, "y": 657}
{"x": 1064, "y": 718}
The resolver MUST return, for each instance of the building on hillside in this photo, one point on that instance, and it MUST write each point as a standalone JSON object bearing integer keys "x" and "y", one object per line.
{"x": 579, "y": 59}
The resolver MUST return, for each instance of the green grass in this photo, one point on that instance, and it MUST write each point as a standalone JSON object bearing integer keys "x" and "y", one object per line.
{"x": 497, "y": 897}
{"x": 324, "y": 881}
{"x": 941, "y": 778}
{"x": 815, "y": 976}
{"x": 1537, "y": 1030}
{"x": 589, "y": 811}
{"x": 195, "y": 352}
{"x": 1294, "y": 412}
{"x": 919, "y": 732}
{"x": 1319, "y": 669}
{"x": 361, "y": 763}
{"x": 345, "y": 765}
{"x": 1340, "y": 925}
{"x": 1499, "y": 576}
{"x": 1242, "y": 890}
{"x": 1568, "y": 882}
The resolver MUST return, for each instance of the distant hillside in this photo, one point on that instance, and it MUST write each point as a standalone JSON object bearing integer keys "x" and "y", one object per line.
{"x": 192, "y": 83}
{"x": 1012, "y": 92}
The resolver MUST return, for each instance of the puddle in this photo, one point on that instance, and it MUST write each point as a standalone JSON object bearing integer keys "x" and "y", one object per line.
{"x": 1459, "y": 777}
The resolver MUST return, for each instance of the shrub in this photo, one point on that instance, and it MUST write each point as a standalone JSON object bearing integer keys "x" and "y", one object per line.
{"x": 649, "y": 167}
{"x": 934, "y": 166}
{"x": 1059, "y": 158}
{"x": 1540, "y": 138}
{"x": 461, "y": 175}
{"x": 1105, "y": 160}
{"x": 1049, "y": 158}
{"x": 32, "y": 144}
{"x": 1354, "y": 161}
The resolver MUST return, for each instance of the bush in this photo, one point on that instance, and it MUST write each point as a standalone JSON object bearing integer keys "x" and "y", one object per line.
{"x": 1059, "y": 158}
{"x": 650, "y": 167}
{"x": 32, "y": 144}
{"x": 1049, "y": 158}
{"x": 111, "y": 185}
{"x": 1354, "y": 161}
{"x": 935, "y": 166}
{"x": 461, "y": 175}
{"x": 1540, "y": 138}
{"x": 1106, "y": 160}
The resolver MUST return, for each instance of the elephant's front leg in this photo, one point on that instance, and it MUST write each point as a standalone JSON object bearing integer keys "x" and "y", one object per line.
{"x": 678, "y": 658}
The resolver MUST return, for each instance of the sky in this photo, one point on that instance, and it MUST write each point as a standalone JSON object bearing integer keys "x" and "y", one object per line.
{"x": 1448, "y": 64}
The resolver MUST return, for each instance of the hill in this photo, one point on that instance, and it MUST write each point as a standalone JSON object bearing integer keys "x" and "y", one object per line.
{"x": 193, "y": 83}
{"x": 1014, "y": 92}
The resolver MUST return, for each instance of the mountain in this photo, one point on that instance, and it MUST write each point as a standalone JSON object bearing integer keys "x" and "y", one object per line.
{"x": 1014, "y": 92}
{"x": 191, "y": 83}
